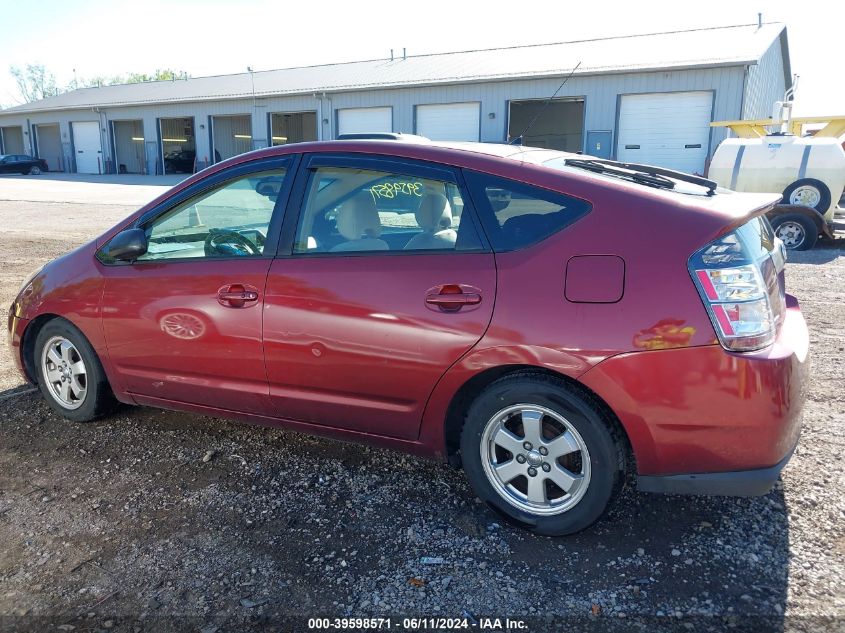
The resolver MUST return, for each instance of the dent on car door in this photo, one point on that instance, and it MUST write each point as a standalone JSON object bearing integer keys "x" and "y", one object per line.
{"x": 183, "y": 321}
{"x": 385, "y": 281}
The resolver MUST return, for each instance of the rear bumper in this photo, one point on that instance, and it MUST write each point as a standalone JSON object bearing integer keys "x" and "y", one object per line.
{"x": 702, "y": 420}
{"x": 741, "y": 483}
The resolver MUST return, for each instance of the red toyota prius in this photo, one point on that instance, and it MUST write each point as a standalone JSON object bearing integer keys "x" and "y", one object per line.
{"x": 552, "y": 322}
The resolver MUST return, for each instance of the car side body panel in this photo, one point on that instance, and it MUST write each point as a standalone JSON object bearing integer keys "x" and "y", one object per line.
{"x": 351, "y": 342}
{"x": 169, "y": 337}
{"x": 702, "y": 409}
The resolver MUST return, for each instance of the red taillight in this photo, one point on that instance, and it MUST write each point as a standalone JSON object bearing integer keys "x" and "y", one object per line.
{"x": 706, "y": 285}
{"x": 723, "y": 319}
{"x": 738, "y": 279}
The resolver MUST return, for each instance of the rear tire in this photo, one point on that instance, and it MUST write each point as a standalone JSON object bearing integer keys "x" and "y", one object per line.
{"x": 34, "y": 171}
{"x": 540, "y": 451}
{"x": 808, "y": 192}
{"x": 69, "y": 374}
{"x": 796, "y": 231}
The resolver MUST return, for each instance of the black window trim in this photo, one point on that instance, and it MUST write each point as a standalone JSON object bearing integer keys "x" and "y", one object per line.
{"x": 487, "y": 217}
{"x": 376, "y": 162}
{"x": 289, "y": 162}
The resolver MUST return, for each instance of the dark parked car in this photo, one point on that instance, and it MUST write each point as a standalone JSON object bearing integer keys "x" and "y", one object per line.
{"x": 20, "y": 164}
{"x": 180, "y": 162}
{"x": 553, "y": 323}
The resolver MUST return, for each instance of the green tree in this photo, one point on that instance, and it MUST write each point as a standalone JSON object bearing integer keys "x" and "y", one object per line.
{"x": 34, "y": 82}
{"x": 166, "y": 74}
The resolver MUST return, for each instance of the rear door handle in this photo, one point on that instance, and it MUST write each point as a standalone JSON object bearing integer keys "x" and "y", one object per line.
{"x": 452, "y": 297}
{"x": 454, "y": 301}
{"x": 237, "y": 296}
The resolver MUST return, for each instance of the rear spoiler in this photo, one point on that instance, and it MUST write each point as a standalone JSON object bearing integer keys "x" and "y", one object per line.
{"x": 737, "y": 208}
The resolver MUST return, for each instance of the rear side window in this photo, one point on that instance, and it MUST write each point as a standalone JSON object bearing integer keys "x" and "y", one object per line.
{"x": 362, "y": 210}
{"x": 516, "y": 215}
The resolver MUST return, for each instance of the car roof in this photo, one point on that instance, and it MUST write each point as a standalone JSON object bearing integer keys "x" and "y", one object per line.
{"x": 411, "y": 146}
{"x": 497, "y": 158}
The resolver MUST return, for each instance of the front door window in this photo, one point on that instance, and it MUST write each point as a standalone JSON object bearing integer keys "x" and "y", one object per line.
{"x": 230, "y": 221}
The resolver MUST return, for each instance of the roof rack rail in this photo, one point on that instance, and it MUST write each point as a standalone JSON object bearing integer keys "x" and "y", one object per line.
{"x": 381, "y": 136}
{"x": 710, "y": 185}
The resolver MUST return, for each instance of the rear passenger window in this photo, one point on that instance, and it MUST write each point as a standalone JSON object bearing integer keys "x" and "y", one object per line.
{"x": 350, "y": 210}
{"x": 515, "y": 215}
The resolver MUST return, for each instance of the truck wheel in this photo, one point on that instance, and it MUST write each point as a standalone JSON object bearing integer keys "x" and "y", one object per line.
{"x": 796, "y": 231}
{"x": 808, "y": 192}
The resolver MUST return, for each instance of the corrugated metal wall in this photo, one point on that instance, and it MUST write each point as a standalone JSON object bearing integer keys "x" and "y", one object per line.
{"x": 601, "y": 95}
{"x": 765, "y": 84}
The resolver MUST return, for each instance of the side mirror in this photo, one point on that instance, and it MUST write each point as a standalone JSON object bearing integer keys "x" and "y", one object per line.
{"x": 128, "y": 245}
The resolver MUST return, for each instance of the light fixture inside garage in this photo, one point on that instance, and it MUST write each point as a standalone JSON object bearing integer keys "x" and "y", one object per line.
{"x": 175, "y": 140}
{"x": 137, "y": 138}
{"x": 246, "y": 136}
{"x": 283, "y": 139}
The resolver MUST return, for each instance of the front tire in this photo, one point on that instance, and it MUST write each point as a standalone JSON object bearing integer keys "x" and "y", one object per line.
{"x": 796, "y": 231}
{"x": 541, "y": 452}
{"x": 69, "y": 373}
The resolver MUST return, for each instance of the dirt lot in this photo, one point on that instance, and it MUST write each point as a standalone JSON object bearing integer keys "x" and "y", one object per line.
{"x": 150, "y": 520}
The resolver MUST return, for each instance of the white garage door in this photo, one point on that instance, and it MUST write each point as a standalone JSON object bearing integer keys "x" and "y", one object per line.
{"x": 364, "y": 120}
{"x": 86, "y": 144}
{"x": 665, "y": 129}
{"x": 449, "y": 121}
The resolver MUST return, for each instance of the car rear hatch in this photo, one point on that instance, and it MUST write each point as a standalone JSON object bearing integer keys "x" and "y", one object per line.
{"x": 738, "y": 270}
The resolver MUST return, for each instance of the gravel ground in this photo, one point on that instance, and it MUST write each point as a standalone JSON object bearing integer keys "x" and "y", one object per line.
{"x": 153, "y": 520}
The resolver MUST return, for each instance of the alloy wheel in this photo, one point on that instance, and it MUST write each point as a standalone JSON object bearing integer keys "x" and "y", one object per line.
{"x": 535, "y": 459}
{"x": 64, "y": 372}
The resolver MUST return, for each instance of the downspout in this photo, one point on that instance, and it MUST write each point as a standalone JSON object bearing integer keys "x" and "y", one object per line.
{"x": 319, "y": 100}
{"x": 101, "y": 125}
{"x": 331, "y": 116}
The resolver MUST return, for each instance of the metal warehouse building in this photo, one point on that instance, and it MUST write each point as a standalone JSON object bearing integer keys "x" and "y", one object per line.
{"x": 644, "y": 98}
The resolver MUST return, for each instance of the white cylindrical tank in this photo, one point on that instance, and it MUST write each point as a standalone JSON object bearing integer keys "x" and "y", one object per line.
{"x": 775, "y": 163}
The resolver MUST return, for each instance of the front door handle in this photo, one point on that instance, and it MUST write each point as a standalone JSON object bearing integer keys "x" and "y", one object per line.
{"x": 237, "y": 296}
{"x": 452, "y": 297}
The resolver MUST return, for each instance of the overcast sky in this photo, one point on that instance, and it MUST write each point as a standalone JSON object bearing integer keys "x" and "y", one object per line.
{"x": 210, "y": 37}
